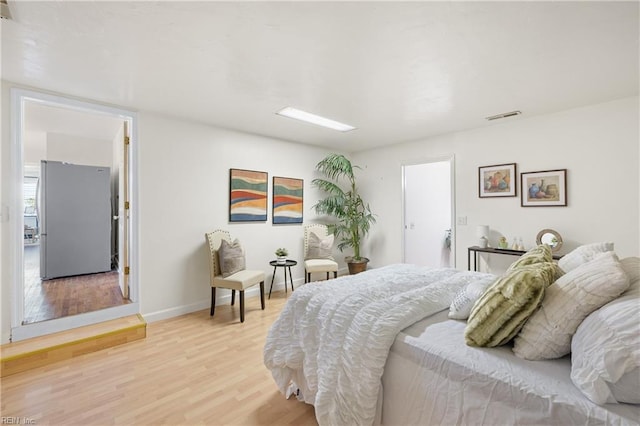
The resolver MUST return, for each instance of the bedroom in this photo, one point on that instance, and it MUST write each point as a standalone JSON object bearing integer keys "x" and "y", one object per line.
{"x": 596, "y": 137}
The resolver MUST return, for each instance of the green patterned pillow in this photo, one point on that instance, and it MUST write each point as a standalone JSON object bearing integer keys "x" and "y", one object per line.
{"x": 504, "y": 307}
{"x": 539, "y": 254}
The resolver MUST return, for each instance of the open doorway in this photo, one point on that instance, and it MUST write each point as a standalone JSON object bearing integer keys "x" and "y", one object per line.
{"x": 73, "y": 262}
{"x": 428, "y": 210}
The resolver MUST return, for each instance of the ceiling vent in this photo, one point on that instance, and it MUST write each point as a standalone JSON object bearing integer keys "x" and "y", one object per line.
{"x": 5, "y": 13}
{"x": 504, "y": 115}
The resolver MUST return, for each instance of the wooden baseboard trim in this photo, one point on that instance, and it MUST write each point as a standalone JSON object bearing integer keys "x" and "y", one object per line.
{"x": 40, "y": 351}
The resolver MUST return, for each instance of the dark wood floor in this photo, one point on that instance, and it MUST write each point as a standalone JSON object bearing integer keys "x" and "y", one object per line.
{"x": 61, "y": 297}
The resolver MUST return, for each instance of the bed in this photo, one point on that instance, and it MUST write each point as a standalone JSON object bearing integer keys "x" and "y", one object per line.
{"x": 379, "y": 348}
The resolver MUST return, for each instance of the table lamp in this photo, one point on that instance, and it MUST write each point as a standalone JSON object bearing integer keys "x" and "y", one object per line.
{"x": 482, "y": 232}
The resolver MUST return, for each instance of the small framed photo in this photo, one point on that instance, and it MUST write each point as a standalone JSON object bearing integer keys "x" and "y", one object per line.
{"x": 544, "y": 189}
{"x": 497, "y": 181}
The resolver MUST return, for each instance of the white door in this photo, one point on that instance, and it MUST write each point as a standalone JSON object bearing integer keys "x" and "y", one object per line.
{"x": 428, "y": 213}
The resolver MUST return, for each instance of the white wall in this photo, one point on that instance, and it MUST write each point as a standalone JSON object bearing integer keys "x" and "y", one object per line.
{"x": 35, "y": 148}
{"x": 597, "y": 144}
{"x": 5, "y": 200}
{"x": 79, "y": 150}
{"x": 184, "y": 193}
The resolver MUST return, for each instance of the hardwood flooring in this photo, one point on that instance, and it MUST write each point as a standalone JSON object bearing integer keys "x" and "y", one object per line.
{"x": 61, "y": 297}
{"x": 191, "y": 369}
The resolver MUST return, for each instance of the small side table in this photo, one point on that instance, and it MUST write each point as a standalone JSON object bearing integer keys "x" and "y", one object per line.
{"x": 286, "y": 265}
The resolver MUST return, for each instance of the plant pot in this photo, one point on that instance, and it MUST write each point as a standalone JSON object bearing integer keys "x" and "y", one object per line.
{"x": 356, "y": 267}
{"x": 281, "y": 260}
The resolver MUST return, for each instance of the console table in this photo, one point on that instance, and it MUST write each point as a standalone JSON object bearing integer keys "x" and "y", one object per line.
{"x": 476, "y": 250}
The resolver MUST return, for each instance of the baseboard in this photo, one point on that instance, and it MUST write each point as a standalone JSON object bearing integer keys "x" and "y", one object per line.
{"x": 221, "y": 299}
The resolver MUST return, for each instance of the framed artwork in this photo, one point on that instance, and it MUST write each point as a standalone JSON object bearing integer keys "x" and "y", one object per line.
{"x": 287, "y": 200}
{"x": 247, "y": 196}
{"x": 544, "y": 189}
{"x": 497, "y": 181}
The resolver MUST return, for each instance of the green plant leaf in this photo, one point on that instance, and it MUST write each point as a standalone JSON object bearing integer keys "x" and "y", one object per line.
{"x": 354, "y": 217}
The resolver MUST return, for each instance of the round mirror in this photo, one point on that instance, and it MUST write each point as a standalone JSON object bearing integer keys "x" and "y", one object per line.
{"x": 550, "y": 238}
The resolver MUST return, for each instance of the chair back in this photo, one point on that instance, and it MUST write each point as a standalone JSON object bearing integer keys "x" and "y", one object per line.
{"x": 215, "y": 239}
{"x": 317, "y": 228}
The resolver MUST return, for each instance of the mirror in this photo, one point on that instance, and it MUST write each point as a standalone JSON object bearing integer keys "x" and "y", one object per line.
{"x": 550, "y": 238}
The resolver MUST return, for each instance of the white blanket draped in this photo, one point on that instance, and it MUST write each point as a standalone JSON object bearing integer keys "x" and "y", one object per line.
{"x": 332, "y": 338}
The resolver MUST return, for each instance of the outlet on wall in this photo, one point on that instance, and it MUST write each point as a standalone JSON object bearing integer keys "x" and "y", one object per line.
{"x": 462, "y": 220}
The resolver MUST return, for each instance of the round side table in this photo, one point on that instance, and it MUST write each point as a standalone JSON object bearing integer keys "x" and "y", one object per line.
{"x": 286, "y": 265}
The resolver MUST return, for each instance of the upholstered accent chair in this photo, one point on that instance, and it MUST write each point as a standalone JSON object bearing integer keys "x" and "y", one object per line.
{"x": 238, "y": 280}
{"x": 317, "y": 251}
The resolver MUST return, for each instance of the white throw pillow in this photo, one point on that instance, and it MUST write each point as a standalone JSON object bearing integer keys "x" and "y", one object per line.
{"x": 463, "y": 301}
{"x": 231, "y": 257}
{"x": 582, "y": 255}
{"x": 319, "y": 248}
{"x": 547, "y": 334}
{"x": 605, "y": 351}
{"x": 631, "y": 266}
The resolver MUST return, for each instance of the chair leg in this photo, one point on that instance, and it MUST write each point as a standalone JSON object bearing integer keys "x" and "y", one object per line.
{"x": 213, "y": 300}
{"x": 262, "y": 294}
{"x": 233, "y": 297}
{"x": 335, "y": 274}
{"x": 241, "y": 305}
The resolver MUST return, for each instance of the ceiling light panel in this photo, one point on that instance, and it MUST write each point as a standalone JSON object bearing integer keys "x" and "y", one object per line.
{"x": 314, "y": 119}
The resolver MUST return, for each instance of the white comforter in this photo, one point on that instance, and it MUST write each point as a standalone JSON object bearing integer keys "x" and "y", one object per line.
{"x": 332, "y": 338}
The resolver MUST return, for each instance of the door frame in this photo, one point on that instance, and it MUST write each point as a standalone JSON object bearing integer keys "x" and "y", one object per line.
{"x": 18, "y": 330}
{"x": 451, "y": 159}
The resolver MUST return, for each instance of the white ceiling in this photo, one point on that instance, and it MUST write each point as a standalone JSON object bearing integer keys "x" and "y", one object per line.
{"x": 398, "y": 71}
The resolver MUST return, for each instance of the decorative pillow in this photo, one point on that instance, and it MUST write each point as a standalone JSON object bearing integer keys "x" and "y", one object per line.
{"x": 463, "y": 302}
{"x": 318, "y": 248}
{"x": 582, "y": 254}
{"x": 504, "y": 307}
{"x": 231, "y": 258}
{"x": 605, "y": 351}
{"x": 547, "y": 334}
{"x": 539, "y": 254}
{"x": 631, "y": 266}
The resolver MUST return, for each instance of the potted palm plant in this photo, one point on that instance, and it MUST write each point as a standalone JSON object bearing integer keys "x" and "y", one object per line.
{"x": 343, "y": 202}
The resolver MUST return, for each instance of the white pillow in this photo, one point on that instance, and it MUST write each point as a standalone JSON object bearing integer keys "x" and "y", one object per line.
{"x": 582, "y": 255}
{"x": 319, "y": 248}
{"x": 231, "y": 257}
{"x": 463, "y": 301}
{"x": 631, "y": 266}
{"x": 605, "y": 358}
{"x": 547, "y": 334}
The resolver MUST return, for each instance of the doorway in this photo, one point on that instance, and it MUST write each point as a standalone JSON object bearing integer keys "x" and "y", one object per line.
{"x": 428, "y": 211}
{"x": 63, "y": 131}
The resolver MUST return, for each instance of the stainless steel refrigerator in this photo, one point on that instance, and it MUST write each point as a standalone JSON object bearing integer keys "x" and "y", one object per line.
{"x": 75, "y": 219}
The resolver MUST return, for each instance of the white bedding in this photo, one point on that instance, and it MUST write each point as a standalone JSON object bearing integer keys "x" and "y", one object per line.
{"x": 433, "y": 378}
{"x": 332, "y": 338}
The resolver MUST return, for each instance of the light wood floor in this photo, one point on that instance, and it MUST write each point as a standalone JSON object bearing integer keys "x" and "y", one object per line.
{"x": 190, "y": 370}
{"x": 61, "y": 297}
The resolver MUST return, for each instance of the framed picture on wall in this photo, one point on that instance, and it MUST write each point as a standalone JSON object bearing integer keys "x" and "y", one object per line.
{"x": 544, "y": 189}
{"x": 497, "y": 181}
{"x": 287, "y": 200}
{"x": 247, "y": 195}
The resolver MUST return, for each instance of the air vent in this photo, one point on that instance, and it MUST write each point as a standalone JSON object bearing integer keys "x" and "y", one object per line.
{"x": 504, "y": 115}
{"x": 5, "y": 13}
